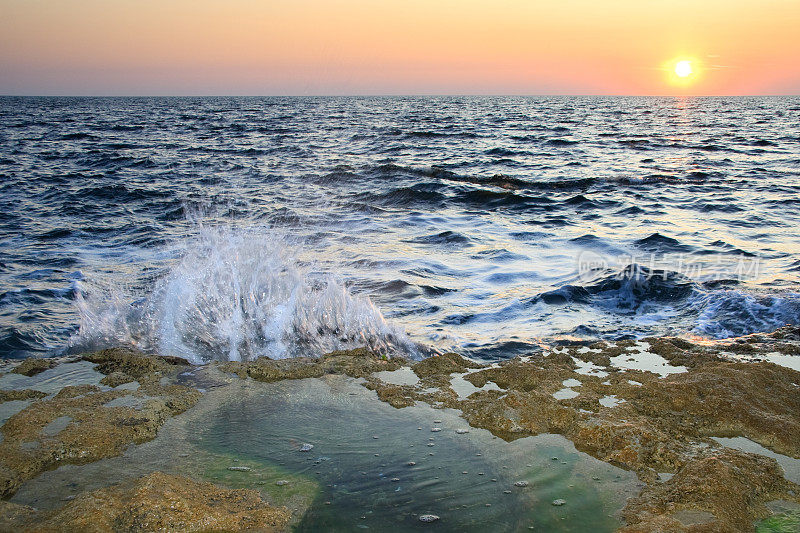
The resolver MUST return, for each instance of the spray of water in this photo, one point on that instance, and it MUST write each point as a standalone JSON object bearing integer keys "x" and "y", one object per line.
{"x": 237, "y": 295}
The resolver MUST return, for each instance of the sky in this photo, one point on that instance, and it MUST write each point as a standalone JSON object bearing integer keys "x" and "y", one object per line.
{"x": 319, "y": 47}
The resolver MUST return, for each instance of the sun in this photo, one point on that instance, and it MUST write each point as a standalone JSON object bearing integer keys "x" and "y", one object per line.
{"x": 683, "y": 68}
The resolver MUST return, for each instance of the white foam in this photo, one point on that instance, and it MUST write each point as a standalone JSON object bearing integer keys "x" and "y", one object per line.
{"x": 238, "y": 295}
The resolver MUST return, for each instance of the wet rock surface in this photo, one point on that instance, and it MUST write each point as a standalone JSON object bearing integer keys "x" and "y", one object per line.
{"x": 24, "y": 394}
{"x": 157, "y": 502}
{"x": 354, "y": 363}
{"x": 93, "y": 430}
{"x": 31, "y": 367}
{"x": 661, "y": 422}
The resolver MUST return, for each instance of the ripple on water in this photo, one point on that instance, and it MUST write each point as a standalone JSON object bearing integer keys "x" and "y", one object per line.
{"x": 368, "y": 480}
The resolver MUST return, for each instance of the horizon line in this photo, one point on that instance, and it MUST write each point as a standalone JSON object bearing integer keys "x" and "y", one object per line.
{"x": 398, "y": 95}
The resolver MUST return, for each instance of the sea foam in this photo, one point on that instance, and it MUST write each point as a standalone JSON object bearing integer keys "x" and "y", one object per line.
{"x": 236, "y": 295}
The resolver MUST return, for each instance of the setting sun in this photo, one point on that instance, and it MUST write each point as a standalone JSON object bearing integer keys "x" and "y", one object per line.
{"x": 683, "y": 68}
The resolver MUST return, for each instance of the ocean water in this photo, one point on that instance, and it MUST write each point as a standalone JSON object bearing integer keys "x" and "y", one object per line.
{"x": 233, "y": 228}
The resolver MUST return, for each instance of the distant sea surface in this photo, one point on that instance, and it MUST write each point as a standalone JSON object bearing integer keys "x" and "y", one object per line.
{"x": 233, "y": 228}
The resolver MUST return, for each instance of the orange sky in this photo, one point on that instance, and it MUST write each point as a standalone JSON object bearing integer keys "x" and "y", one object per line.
{"x": 397, "y": 47}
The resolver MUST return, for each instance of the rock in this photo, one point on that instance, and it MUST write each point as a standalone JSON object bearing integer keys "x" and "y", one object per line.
{"x": 428, "y": 518}
{"x": 723, "y": 483}
{"x": 559, "y": 502}
{"x": 358, "y": 363}
{"x": 133, "y": 363}
{"x": 95, "y": 431}
{"x": 32, "y": 366}
{"x": 115, "y": 379}
{"x": 20, "y": 394}
{"x": 158, "y": 502}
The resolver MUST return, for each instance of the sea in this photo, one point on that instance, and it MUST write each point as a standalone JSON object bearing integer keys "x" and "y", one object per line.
{"x": 234, "y": 228}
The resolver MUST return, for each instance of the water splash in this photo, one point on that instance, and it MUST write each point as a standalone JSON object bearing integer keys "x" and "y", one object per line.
{"x": 729, "y": 313}
{"x": 237, "y": 295}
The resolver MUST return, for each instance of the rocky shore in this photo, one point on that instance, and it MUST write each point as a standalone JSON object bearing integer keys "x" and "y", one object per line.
{"x": 656, "y": 407}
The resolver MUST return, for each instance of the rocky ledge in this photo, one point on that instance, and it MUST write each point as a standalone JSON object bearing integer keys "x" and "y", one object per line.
{"x": 157, "y": 502}
{"x": 656, "y": 419}
{"x": 653, "y": 406}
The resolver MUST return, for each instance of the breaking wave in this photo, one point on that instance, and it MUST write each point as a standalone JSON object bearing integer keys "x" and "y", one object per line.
{"x": 730, "y": 313}
{"x": 237, "y": 295}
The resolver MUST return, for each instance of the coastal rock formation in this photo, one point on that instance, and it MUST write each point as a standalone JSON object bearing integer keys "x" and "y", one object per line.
{"x": 156, "y": 502}
{"x": 648, "y": 406}
{"x": 720, "y": 491}
{"x": 660, "y": 419}
{"x": 32, "y": 366}
{"x": 81, "y": 424}
{"x": 354, "y": 363}
{"x": 20, "y": 394}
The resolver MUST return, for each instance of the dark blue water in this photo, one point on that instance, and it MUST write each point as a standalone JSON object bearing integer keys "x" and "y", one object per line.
{"x": 239, "y": 227}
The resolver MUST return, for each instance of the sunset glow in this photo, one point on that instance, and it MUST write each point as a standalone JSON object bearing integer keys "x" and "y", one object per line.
{"x": 683, "y": 68}
{"x": 392, "y": 47}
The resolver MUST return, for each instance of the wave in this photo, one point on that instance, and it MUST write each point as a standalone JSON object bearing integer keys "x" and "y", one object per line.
{"x": 731, "y": 313}
{"x": 236, "y": 295}
{"x": 443, "y": 238}
{"x": 661, "y": 243}
{"x": 626, "y": 291}
{"x": 711, "y": 309}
